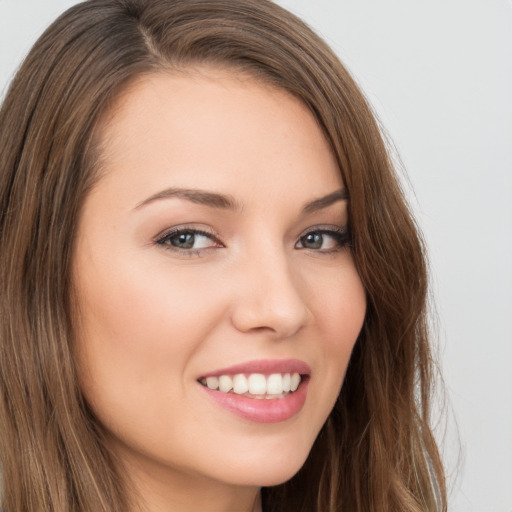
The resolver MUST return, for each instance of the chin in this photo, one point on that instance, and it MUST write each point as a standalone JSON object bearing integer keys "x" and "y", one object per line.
{"x": 275, "y": 469}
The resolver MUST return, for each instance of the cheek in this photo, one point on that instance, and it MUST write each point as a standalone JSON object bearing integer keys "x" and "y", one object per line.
{"x": 138, "y": 329}
{"x": 343, "y": 318}
{"x": 338, "y": 303}
{"x": 339, "y": 307}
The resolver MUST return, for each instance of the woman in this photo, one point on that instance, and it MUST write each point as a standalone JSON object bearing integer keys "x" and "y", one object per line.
{"x": 212, "y": 290}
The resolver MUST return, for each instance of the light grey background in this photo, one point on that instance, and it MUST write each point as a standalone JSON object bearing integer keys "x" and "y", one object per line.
{"x": 439, "y": 75}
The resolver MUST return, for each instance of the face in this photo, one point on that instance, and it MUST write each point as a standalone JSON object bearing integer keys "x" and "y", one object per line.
{"x": 218, "y": 298}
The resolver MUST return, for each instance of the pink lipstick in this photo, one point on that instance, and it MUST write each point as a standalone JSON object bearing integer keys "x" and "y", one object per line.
{"x": 264, "y": 391}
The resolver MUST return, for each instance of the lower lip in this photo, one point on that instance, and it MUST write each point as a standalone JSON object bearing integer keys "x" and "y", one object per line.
{"x": 262, "y": 410}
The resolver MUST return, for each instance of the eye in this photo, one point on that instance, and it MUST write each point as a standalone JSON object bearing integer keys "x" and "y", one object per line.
{"x": 188, "y": 240}
{"x": 324, "y": 239}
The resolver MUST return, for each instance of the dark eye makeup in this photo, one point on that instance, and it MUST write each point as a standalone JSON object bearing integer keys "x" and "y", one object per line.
{"x": 324, "y": 239}
{"x": 189, "y": 241}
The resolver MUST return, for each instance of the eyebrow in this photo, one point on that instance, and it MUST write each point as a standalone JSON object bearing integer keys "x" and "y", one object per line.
{"x": 211, "y": 199}
{"x": 325, "y": 201}
{"x": 227, "y": 202}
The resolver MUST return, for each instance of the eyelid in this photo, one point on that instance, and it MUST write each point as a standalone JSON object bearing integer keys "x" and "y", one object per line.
{"x": 326, "y": 228}
{"x": 185, "y": 228}
{"x": 341, "y": 233}
{"x": 167, "y": 233}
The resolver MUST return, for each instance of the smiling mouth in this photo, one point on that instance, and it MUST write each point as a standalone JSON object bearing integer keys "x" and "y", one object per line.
{"x": 255, "y": 385}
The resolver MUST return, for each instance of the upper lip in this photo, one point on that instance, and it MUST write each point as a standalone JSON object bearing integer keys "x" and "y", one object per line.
{"x": 265, "y": 366}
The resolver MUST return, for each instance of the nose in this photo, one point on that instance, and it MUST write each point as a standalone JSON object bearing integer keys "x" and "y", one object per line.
{"x": 269, "y": 298}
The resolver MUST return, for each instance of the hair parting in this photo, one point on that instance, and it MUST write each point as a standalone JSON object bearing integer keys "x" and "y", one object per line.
{"x": 377, "y": 450}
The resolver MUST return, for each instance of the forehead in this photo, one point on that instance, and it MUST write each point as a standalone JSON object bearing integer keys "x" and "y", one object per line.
{"x": 207, "y": 127}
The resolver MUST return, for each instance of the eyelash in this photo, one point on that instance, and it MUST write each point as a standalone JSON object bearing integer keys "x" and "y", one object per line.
{"x": 167, "y": 236}
{"x": 340, "y": 235}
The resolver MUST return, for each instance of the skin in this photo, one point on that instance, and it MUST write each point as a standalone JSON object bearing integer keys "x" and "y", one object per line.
{"x": 153, "y": 317}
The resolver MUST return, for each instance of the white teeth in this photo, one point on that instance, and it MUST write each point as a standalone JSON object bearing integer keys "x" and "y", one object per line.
{"x": 294, "y": 382}
{"x": 240, "y": 384}
{"x": 258, "y": 385}
{"x": 225, "y": 383}
{"x": 212, "y": 382}
{"x": 275, "y": 384}
{"x": 286, "y": 382}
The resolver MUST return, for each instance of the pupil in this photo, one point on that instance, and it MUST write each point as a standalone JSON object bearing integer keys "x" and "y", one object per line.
{"x": 314, "y": 241}
{"x": 183, "y": 240}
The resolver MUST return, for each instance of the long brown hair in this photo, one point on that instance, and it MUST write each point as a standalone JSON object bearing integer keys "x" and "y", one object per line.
{"x": 376, "y": 451}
